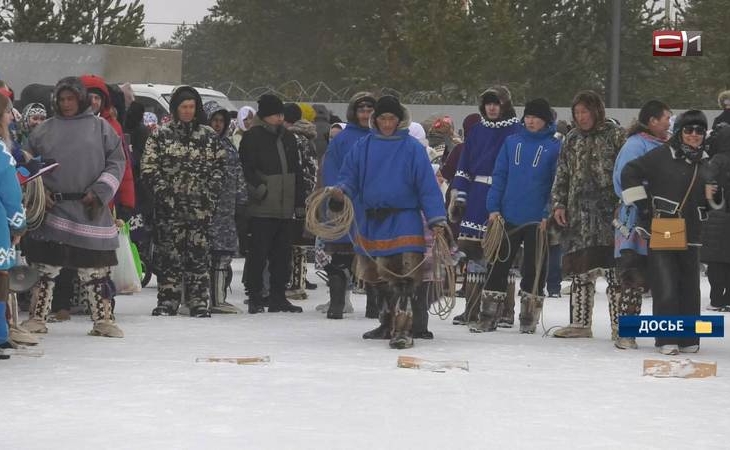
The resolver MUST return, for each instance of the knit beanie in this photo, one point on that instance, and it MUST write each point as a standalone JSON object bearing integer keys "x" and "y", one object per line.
{"x": 538, "y": 107}
{"x": 269, "y": 105}
{"x": 388, "y": 104}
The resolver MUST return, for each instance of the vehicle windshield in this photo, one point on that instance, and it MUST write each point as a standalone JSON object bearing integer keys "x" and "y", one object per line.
{"x": 223, "y": 101}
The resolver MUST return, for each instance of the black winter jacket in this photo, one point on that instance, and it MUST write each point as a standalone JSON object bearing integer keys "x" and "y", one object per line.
{"x": 667, "y": 175}
{"x": 715, "y": 241}
{"x": 272, "y": 171}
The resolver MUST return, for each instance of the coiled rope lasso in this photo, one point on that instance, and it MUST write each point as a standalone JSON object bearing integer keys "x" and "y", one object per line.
{"x": 496, "y": 235}
{"x": 325, "y": 223}
{"x": 330, "y": 225}
{"x": 34, "y": 200}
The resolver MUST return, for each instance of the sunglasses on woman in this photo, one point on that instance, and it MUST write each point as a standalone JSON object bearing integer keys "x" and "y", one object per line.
{"x": 696, "y": 129}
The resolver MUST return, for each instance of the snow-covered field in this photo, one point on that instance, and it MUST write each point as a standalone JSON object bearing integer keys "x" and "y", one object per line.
{"x": 326, "y": 388}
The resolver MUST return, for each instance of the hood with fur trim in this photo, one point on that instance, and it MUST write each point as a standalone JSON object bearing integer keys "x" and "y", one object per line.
{"x": 507, "y": 110}
{"x": 351, "y": 114}
{"x": 304, "y": 128}
{"x": 74, "y": 85}
{"x": 402, "y": 125}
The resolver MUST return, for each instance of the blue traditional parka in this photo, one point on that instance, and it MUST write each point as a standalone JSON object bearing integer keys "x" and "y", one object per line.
{"x": 626, "y": 237}
{"x": 11, "y": 208}
{"x": 394, "y": 180}
{"x": 337, "y": 151}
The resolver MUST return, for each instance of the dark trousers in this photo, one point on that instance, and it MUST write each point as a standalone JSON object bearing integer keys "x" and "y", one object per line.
{"x": 675, "y": 287}
{"x": 718, "y": 274}
{"x": 63, "y": 290}
{"x": 526, "y": 235}
{"x": 271, "y": 239}
{"x": 554, "y": 272}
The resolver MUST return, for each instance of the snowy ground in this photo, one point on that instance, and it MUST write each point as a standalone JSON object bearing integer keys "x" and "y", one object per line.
{"x": 326, "y": 388}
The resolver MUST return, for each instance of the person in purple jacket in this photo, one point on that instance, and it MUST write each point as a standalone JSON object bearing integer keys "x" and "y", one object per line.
{"x": 471, "y": 185}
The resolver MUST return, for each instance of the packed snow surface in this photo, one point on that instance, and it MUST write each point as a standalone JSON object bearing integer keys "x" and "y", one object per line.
{"x": 327, "y": 388}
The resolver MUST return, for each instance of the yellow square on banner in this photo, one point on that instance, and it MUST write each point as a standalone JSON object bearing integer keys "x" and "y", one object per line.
{"x": 703, "y": 327}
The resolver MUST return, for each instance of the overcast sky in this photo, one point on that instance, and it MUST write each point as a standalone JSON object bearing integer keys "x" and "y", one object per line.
{"x": 177, "y": 11}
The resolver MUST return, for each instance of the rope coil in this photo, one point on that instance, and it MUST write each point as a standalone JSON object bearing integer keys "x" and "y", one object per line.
{"x": 329, "y": 225}
{"x": 34, "y": 200}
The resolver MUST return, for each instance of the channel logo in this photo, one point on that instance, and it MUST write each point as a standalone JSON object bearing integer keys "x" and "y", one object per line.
{"x": 676, "y": 43}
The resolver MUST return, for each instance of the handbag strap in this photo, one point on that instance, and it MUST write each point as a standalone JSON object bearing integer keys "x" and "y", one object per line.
{"x": 689, "y": 189}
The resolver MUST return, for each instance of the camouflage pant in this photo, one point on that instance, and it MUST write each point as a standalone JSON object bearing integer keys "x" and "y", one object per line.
{"x": 182, "y": 258}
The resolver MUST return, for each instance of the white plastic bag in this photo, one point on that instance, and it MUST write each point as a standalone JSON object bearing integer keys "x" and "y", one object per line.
{"x": 124, "y": 274}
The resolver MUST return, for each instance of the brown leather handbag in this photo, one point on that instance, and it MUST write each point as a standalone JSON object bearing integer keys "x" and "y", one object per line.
{"x": 670, "y": 233}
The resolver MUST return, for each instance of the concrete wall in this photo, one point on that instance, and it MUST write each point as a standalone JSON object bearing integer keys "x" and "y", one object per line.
{"x": 23, "y": 63}
{"x": 142, "y": 65}
{"x": 420, "y": 113}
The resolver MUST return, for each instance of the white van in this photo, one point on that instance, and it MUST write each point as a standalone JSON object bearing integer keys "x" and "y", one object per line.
{"x": 156, "y": 98}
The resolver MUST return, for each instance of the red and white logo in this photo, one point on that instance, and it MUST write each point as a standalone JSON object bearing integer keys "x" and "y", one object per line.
{"x": 677, "y": 43}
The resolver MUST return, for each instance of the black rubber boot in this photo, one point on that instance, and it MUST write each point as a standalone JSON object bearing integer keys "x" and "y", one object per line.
{"x": 338, "y": 279}
{"x": 420, "y": 312}
{"x": 384, "y": 298}
{"x": 255, "y": 304}
{"x": 372, "y": 311}
{"x": 279, "y": 303}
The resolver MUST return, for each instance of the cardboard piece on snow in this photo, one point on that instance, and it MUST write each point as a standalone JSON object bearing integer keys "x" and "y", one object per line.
{"x": 240, "y": 361}
{"x": 679, "y": 368}
{"x": 411, "y": 362}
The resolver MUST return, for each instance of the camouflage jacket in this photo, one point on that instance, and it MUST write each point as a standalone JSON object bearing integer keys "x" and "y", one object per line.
{"x": 584, "y": 186}
{"x": 305, "y": 132}
{"x": 223, "y": 236}
{"x": 184, "y": 169}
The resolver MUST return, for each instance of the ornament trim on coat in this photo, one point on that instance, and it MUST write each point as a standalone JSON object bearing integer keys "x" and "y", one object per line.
{"x": 501, "y": 123}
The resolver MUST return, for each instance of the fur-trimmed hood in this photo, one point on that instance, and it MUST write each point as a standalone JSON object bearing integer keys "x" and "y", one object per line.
{"x": 351, "y": 114}
{"x": 507, "y": 110}
{"x": 402, "y": 125}
{"x": 305, "y": 128}
{"x": 74, "y": 85}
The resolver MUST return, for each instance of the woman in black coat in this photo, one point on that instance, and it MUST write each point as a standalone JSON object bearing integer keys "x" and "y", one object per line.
{"x": 715, "y": 245}
{"x": 657, "y": 184}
